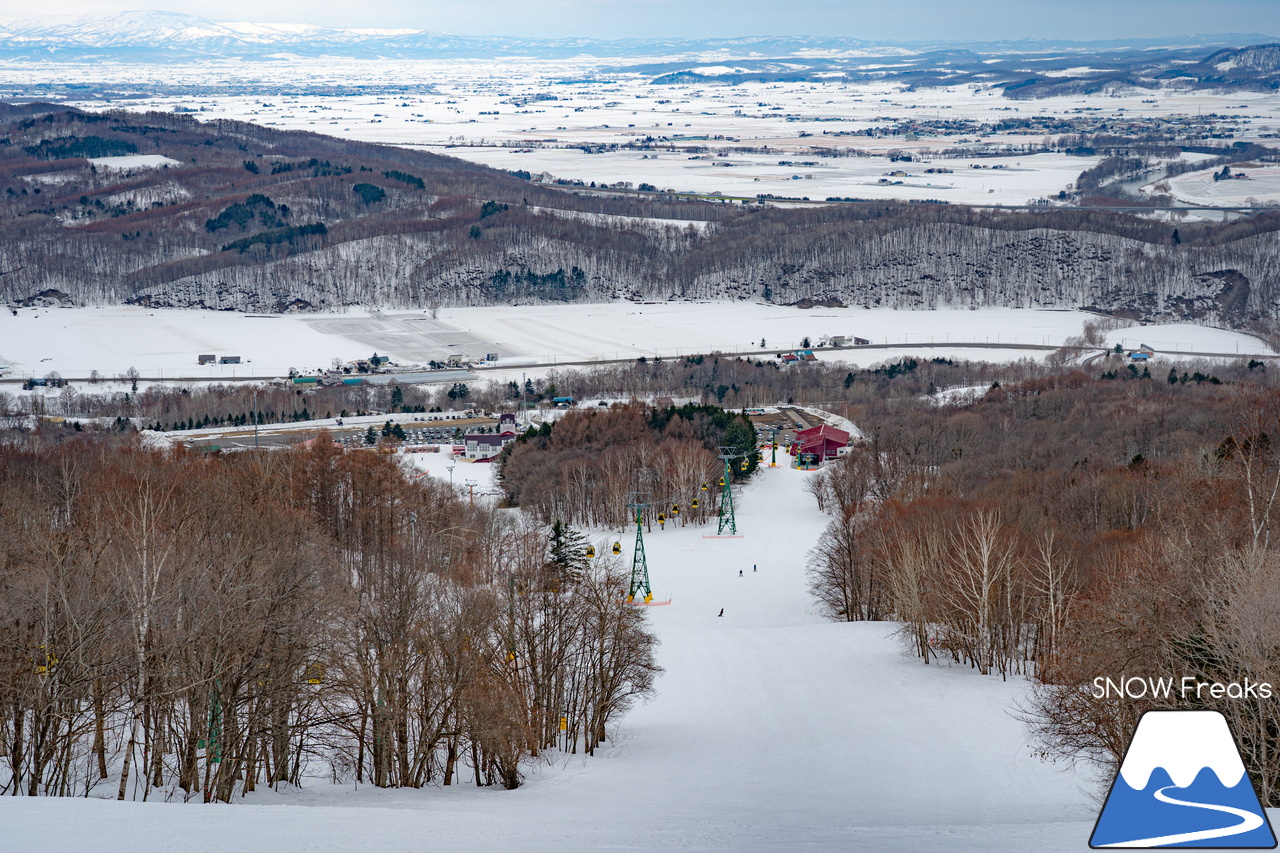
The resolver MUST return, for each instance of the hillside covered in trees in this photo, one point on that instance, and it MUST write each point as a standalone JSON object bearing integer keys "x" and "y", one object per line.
{"x": 1069, "y": 527}
{"x": 584, "y": 468}
{"x": 359, "y": 623}
{"x": 250, "y": 218}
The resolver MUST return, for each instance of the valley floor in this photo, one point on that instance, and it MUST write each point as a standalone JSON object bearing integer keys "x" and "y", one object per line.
{"x": 162, "y": 343}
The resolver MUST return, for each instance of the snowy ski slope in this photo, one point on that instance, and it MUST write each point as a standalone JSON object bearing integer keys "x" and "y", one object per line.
{"x": 773, "y": 729}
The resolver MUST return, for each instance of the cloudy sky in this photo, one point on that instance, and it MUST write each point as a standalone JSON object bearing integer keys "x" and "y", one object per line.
{"x": 872, "y": 19}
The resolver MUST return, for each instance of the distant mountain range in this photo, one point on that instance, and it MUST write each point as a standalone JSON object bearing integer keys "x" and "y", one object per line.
{"x": 172, "y": 36}
{"x": 1252, "y": 68}
{"x": 1256, "y": 62}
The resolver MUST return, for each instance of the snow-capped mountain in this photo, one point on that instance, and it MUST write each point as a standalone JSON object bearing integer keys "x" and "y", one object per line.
{"x": 1258, "y": 63}
{"x": 1183, "y": 743}
{"x": 156, "y": 29}
{"x": 176, "y": 36}
{"x": 1183, "y": 783}
{"x": 180, "y": 36}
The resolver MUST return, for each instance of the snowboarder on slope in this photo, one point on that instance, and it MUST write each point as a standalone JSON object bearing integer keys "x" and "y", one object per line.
{"x": 739, "y": 572}
{"x": 721, "y": 613}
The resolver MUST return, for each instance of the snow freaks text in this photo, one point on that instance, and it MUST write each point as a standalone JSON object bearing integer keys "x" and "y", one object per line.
{"x": 1187, "y": 687}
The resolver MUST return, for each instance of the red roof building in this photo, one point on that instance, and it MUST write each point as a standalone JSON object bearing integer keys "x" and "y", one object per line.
{"x": 825, "y": 442}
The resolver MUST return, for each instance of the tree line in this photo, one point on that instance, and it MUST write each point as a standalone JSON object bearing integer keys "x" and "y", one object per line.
{"x": 723, "y": 381}
{"x": 1070, "y": 527}
{"x": 187, "y": 627}
{"x": 591, "y": 467}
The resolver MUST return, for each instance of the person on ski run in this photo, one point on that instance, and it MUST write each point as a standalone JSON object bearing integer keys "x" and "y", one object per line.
{"x": 721, "y": 613}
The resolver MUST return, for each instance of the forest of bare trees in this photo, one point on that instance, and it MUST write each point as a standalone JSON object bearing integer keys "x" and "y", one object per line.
{"x": 188, "y": 627}
{"x": 177, "y": 407}
{"x": 253, "y": 218}
{"x": 591, "y": 465}
{"x": 1070, "y": 527}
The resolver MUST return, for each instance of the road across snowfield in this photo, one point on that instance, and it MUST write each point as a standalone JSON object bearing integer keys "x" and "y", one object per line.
{"x": 163, "y": 345}
{"x": 773, "y": 729}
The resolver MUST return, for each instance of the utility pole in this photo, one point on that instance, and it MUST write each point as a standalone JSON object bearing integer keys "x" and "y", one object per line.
{"x": 255, "y": 418}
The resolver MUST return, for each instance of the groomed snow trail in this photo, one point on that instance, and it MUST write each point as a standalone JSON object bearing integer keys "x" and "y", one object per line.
{"x": 773, "y": 729}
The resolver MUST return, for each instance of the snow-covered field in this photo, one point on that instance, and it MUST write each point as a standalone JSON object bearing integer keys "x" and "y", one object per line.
{"x": 773, "y": 729}
{"x": 1260, "y": 186}
{"x": 746, "y": 139}
{"x": 1015, "y": 179}
{"x": 624, "y": 329}
{"x": 134, "y": 161}
{"x": 165, "y": 343}
{"x": 159, "y": 343}
{"x": 1187, "y": 338}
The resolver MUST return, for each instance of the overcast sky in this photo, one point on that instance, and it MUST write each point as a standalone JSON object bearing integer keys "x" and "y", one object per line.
{"x": 870, "y": 19}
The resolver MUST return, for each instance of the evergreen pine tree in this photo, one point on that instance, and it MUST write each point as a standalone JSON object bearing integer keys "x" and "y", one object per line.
{"x": 742, "y": 439}
{"x": 566, "y": 551}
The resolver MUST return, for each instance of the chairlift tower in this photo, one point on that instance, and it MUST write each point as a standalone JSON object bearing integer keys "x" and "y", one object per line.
{"x": 639, "y": 565}
{"x": 727, "y": 519}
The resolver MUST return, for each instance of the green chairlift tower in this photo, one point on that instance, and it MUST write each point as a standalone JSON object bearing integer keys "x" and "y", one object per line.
{"x": 639, "y": 565}
{"x": 727, "y": 519}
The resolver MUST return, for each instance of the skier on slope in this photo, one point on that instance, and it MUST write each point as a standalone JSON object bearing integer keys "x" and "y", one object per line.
{"x": 721, "y": 613}
{"x": 739, "y": 572}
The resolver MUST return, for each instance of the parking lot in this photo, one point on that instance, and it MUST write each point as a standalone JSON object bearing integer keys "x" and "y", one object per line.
{"x": 782, "y": 425}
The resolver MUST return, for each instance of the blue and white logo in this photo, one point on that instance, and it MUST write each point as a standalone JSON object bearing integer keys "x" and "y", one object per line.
{"x": 1182, "y": 784}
